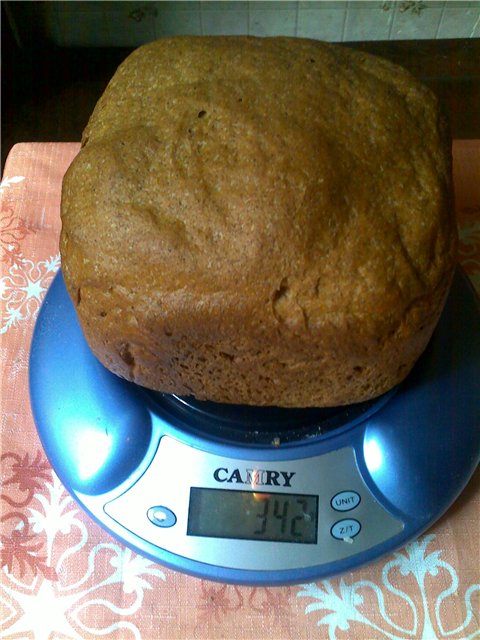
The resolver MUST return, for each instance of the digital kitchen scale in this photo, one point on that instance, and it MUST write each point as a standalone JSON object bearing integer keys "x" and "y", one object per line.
{"x": 259, "y": 495}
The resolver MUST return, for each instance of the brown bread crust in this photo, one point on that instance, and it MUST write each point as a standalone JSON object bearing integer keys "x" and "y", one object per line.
{"x": 260, "y": 221}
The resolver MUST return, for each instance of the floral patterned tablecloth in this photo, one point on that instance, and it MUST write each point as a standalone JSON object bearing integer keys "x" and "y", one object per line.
{"x": 63, "y": 577}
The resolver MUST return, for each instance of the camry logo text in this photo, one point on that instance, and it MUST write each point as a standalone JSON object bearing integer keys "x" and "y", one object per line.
{"x": 254, "y": 477}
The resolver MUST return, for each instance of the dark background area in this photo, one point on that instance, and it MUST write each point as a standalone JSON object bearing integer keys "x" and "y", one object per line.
{"x": 48, "y": 92}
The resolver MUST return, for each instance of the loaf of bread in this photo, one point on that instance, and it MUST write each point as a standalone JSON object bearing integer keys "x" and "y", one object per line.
{"x": 262, "y": 221}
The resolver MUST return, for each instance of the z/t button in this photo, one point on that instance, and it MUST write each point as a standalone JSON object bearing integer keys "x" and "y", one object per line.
{"x": 346, "y": 529}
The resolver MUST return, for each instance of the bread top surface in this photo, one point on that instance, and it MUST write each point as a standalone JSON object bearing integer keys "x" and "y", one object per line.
{"x": 257, "y": 181}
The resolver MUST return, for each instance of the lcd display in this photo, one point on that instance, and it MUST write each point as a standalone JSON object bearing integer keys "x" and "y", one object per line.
{"x": 253, "y": 515}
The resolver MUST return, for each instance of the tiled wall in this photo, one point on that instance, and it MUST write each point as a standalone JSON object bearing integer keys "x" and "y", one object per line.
{"x": 133, "y": 23}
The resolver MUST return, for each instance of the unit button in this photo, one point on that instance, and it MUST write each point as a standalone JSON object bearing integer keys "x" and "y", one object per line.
{"x": 346, "y": 529}
{"x": 345, "y": 501}
{"x": 161, "y": 517}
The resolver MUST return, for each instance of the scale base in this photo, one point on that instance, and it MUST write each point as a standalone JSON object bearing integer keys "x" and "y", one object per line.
{"x": 407, "y": 455}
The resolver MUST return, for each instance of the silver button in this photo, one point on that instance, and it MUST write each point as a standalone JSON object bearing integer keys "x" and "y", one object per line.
{"x": 161, "y": 516}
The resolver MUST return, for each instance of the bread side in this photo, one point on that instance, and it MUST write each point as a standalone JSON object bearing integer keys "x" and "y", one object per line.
{"x": 260, "y": 221}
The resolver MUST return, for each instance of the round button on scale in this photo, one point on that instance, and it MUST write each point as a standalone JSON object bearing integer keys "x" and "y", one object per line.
{"x": 161, "y": 517}
{"x": 345, "y": 501}
{"x": 346, "y": 529}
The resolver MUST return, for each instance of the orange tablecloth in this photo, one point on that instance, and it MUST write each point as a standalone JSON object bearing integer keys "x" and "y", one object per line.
{"x": 63, "y": 577}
